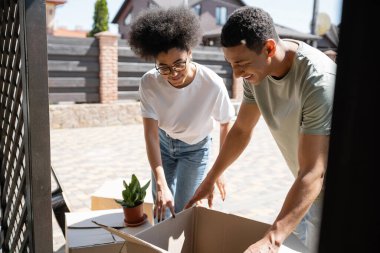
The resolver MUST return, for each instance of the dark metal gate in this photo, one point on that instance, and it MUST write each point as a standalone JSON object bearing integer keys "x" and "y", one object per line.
{"x": 25, "y": 217}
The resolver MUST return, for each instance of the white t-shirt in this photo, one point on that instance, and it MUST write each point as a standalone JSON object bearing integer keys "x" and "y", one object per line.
{"x": 187, "y": 113}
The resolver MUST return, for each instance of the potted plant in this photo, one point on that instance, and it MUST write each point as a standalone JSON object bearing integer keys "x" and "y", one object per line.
{"x": 133, "y": 198}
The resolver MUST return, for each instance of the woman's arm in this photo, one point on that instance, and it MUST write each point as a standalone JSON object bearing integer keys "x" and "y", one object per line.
{"x": 220, "y": 182}
{"x": 164, "y": 196}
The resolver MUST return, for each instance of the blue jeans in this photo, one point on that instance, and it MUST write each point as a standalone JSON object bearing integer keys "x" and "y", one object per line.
{"x": 308, "y": 229}
{"x": 184, "y": 167}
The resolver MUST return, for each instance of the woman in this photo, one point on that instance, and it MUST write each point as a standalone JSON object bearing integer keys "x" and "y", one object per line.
{"x": 180, "y": 100}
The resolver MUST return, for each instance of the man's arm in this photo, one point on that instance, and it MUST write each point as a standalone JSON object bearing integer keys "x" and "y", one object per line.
{"x": 236, "y": 141}
{"x": 152, "y": 142}
{"x": 312, "y": 156}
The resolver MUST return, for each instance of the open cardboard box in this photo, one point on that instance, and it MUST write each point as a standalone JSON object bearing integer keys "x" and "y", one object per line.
{"x": 202, "y": 230}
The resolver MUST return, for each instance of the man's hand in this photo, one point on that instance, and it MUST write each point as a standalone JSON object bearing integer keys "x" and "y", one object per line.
{"x": 164, "y": 200}
{"x": 221, "y": 184}
{"x": 205, "y": 190}
{"x": 262, "y": 246}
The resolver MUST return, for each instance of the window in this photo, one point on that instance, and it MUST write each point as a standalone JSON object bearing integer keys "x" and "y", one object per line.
{"x": 221, "y": 15}
{"x": 128, "y": 19}
{"x": 197, "y": 9}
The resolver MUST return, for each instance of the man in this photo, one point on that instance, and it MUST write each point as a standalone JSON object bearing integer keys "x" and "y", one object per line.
{"x": 290, "y": 84}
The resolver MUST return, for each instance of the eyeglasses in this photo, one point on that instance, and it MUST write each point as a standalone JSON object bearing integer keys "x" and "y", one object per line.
{"x": 177, "y": 67}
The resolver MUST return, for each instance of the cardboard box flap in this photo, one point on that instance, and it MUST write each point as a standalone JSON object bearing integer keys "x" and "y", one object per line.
{"x": 174, "y": 234}
{"x": 220, "y": 232}
{"x": 130, "y": 238}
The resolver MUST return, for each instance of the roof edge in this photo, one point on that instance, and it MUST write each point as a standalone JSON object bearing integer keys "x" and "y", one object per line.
{"x": 117, "y": 16}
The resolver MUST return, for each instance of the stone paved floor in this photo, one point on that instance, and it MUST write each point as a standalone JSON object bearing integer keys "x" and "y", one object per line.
{"x": 84, "y": 158}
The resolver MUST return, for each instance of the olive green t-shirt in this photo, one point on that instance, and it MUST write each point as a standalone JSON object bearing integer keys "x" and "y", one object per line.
{"x": 299, "y": 103}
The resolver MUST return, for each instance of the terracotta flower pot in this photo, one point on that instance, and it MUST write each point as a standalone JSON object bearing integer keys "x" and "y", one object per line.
{"x": 134, "y": 215}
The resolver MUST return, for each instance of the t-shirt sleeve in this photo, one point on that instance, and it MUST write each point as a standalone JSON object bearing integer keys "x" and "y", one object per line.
{"x": 223, "y": 109}
{"x": 317, "y": 109}
{"x": 248, "y": 95}
{"x": 146, "y": 100}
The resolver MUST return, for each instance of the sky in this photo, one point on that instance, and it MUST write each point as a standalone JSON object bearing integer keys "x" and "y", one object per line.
{"x": 296, "y": 14}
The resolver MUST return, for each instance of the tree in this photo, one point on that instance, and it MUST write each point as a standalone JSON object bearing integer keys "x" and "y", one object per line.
{"x": 100, "y": 18}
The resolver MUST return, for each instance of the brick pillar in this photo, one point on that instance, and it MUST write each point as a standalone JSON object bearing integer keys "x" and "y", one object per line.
{"x": 237, "y": 88}
{"x": 108, "y": 61}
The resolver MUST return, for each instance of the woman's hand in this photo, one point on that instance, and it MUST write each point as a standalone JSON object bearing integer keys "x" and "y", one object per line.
{"x": 164, "y": 200}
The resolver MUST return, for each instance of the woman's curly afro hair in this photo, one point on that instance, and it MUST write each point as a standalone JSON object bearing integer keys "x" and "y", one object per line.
{"x": 159, "y": 30}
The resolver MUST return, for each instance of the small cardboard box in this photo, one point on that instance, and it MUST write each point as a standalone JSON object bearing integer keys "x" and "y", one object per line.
{"x": 201, "y": 230}
{"x": 104, "y": 197}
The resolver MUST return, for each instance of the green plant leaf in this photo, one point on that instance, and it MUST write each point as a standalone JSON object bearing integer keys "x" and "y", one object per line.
{"x": 133, "y": 194}
{"x": 137, "y": 197}
{"x": 145, "y": 187}
{"x": 135, "y": 184}
{"x": 121, "y": 202}
{"x": 133, "y": 178}
{"x": 126, "y": 194}
{"x": 142, "y": 197}
{"x": 130, "y": 204}
{"x": 138, "y": 184}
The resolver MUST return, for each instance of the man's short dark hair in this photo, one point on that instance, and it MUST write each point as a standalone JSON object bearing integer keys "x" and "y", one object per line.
{"x": 249, "y": 25}
{"x": 159, "y": 30}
